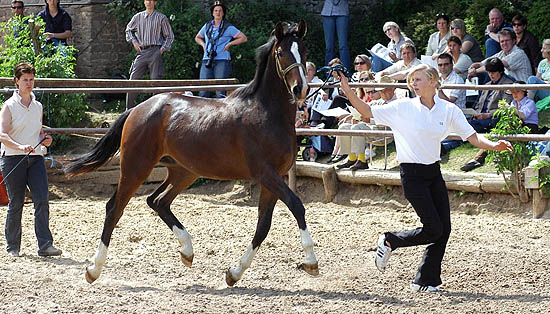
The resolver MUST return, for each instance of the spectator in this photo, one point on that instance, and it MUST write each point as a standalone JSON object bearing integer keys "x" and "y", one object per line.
{"x": 526, "y": 41}
{"x": 362, "y": 92}
{"x": 397, "y": 39}
{"x": 215, "y": 38}
{"x": 448, "y": 76}
{"x": 470, "y": 46}
{"x": 322, "y": 103}
{"x": 361, "y": 63}
{"x": 543, "y": 73}
{"x": 18, "y": 8}
{"x": 59, "y": 24}
{"x": 335, "y": 16}
{"x": 496, "y": 24}
{"x": 311, "y": 70}
{"x": 461, "y": 61}
{"x": 486, "y": 105}
{"x": 515, "y": 60}
{"x": 151, "y": 35}
{"x": 334, "y": 91}
{"x": 21, "y": 134}
{"x": 438, "y": 40}
{"x": 400, "y": 69}
{"x": 526, "y": 108}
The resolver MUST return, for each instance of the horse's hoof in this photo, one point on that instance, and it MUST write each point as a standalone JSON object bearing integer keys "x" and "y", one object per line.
{"x": 229, "y": 279}
{"x": 187, "y": 260}
{"x": 89, "y": 277}
{"x": 312, "y": 269}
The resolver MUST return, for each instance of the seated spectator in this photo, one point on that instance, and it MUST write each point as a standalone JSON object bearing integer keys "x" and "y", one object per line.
{"x": 448, "y": 76}
{"x": 543, "y": 73}
{"x": 526, "y": 41}
{"x": 400, "y": 69}
{"x": 356, "y": 146}
{"x": 496, "y": 24}
{"x": 516, "y": 63}
{"x": 322, "y": 103}
{"x": 361, "y": 63}
{"x": 59, "y": 24}
{"x": 461, "y": 61}
{"x": 486, "y": 105}
{"x": 311, "y": 70}
{"x": 362, "y": 92}
{"x": 470, "y": 46}
{"x": 526, "y": 108}
{"x": 438, "y": 41}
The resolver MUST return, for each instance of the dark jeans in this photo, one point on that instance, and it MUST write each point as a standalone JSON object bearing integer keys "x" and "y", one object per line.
{"x": 220, "y": 69}
{"x": 425, "y": 189}
{"x": 333, "y": 26}
{"x": 32, "y": 173}
{"x": 491, "y": 47}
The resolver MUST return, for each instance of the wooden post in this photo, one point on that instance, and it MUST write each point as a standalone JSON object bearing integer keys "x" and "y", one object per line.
{"x": 292, "y": 177}
{"x": 34, "y": 36}
{"x": 539, "y": 203}
{"x": 330, "y": 182}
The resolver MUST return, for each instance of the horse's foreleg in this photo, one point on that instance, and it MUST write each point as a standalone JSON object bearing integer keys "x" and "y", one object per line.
{"x": 293, "y": 202}
{"x": 265, "y": 214}
{"x": 176, "y": 181}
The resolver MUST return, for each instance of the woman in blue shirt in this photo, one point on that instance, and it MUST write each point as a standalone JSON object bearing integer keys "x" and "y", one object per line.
{"x": 215, "y": 38}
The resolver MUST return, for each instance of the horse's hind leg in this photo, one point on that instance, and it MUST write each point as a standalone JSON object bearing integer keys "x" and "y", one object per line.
{"x": 177, "y": 180}
{"x": 278, "y": 187}
{"x": 265, "y": 213}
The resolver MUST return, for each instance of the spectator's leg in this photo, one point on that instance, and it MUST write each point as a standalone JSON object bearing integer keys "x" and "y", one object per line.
{"x": 491, "y": 47}
{"x": 222, "y": 70}
{"x": 345, "y": 141}
{"x": 329, "y": 28}
{"x": 537, "y": 94}
{"x": 205, "y": 74}
{"x": 137, "y": 71}
{"x": 342, "y": 28}
{"x": 449, "y": 145}
{"x": 156, "y": 65}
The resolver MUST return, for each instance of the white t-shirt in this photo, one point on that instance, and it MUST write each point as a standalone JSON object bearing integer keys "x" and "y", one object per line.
{"x": 418, "y": 131}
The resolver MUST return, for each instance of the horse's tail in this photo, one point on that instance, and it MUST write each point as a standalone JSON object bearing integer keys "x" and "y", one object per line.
{"x": 102, "y": 152}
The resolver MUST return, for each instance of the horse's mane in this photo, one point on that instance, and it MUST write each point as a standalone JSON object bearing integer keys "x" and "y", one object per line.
{"x": 262, "y": 57}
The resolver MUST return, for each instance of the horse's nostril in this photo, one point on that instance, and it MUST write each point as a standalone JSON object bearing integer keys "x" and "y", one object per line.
{"x": 296, "y": 90}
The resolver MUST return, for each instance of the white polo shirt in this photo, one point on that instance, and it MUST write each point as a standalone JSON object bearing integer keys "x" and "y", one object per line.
{"x": 459, "y": 94}
{"x": 418, "y": 131}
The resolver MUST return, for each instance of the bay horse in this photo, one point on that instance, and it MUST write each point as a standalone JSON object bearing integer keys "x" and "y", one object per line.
{"x": 248, "y": 135}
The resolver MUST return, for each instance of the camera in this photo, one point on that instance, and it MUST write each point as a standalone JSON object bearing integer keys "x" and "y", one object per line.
{"x": 211, "y": 55}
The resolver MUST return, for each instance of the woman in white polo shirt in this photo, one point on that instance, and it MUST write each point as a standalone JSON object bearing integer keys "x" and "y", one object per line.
{"x": 419, "y": 124}
{"x": 20, "y": 133}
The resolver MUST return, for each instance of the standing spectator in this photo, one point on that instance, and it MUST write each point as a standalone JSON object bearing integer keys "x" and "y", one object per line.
{"x": 151, "y": 35}
{"x": 526, "y": 41}
{"x": 59, "y": 24}
{"x": 461, "y": 60}
{"x": 496, "y": 24}
{"x": 448, "y": 76}
{"x": 470, "y": 46}
{"x": 516, "y": 63}
{"x": 400, "y": 69}
{"x": 21, "y": 133}
{"x": 438, "y": 41}
{"x": 543, "y": 73}
{"x": 215, "y": 38}
{"x": 419, "y": 125}
{"x": 18, "y": 8}
{"x": 335, "y": 16}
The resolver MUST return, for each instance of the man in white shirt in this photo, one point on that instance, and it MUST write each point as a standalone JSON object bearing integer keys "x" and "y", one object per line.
{"x": 399, "y": 70}
{"x": 448, "y": 76}
{"x": 516, "y": 63}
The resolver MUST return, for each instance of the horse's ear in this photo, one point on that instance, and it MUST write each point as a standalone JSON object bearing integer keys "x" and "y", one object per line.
{"x": 279, "y": 31}
{"x": 302, "y": 29}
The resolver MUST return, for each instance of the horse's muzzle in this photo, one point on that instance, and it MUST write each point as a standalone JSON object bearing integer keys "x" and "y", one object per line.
{"x": 299, "y": 92}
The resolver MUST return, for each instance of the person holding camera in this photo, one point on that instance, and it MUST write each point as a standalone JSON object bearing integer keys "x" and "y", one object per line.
{"x": 215, "y": 38}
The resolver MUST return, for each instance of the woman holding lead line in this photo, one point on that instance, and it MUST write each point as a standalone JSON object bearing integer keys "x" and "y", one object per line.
{"x": 419, "y": 125}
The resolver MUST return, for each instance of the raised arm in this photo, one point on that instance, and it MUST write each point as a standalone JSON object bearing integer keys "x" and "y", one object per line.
{"x": 361, "y": 106}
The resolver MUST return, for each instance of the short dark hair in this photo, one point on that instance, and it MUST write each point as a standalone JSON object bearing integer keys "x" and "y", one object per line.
{"x": 445, "y": 56}
{"x": 455, "y": 39}
{"x": 443, "y": 16}
{"x": 522, "y": 19}
{"x": 23, "y": 68}
{"x": 218, "y": 4}
{"x": 494, "y": 65}
{"x": 16, "y": 1}
{"x": 507, "y": 32}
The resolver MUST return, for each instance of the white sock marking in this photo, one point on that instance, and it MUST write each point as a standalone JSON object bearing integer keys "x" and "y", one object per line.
{"x": 99, "y": 259}
{"x": 244, "y": 263}
{"x": 184, "y": 239}
{"x": 307, "y": 244}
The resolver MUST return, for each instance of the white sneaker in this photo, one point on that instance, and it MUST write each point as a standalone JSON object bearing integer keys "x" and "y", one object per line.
{"x": 383, "y": 253}
{"x": 14, "y": 253}
{"x": 418, "y": 288}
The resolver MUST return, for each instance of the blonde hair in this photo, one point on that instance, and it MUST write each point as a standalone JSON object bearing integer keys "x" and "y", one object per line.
{"x": 430, "y": 72}
{"x": 546, "y": 41}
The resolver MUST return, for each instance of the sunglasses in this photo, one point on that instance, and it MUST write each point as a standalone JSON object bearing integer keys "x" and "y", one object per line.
{"x": 359, "y": 63}
{"x": 363, "y": 79}
{"x": 443, "y": 64}
{"x": 388, "y": 29}
{"x": 369, "y": 92}
{"x": 17, "y": 7}
{"x": 517, "y": 24}
{"x": 455, "y": 27}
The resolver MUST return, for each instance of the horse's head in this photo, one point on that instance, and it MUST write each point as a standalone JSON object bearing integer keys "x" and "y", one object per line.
{"x": 290, "y": 58}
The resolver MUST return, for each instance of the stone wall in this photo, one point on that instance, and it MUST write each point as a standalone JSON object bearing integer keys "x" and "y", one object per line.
{"x": 98, "y": 37}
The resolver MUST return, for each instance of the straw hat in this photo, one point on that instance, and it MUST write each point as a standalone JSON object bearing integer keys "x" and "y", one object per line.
{"x": 384, "y": 80}
{"x": 509, "y": 91}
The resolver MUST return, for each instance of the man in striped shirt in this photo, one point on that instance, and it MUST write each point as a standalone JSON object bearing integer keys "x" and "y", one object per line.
{"x": 150, "y": 33}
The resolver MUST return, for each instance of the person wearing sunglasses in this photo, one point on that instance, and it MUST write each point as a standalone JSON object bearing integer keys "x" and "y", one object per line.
{"x": 18, "y": 8}
{"x": 526, "y": 40}
{"x": 361, "y": 63}
{"x": 449, "y": 76}
{"x": 470, "y": 45}
{"x": 438, "y": 40}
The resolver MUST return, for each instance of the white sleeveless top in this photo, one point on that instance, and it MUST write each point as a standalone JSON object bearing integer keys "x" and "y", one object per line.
{"x": 25, "y": 124}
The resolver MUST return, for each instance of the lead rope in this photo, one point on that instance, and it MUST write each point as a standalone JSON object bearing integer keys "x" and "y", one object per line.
{"x": 328, "y": 71}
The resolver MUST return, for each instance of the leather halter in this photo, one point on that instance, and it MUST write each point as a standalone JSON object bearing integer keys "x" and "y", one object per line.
{"x": 282, "y": 73}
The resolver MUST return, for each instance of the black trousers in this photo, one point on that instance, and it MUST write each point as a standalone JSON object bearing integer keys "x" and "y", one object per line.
{"x": 425, "y": 189}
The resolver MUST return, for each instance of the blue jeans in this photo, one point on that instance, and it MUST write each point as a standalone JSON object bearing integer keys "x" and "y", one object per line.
{"x": 332, "y": 26}
{"x": 491, "y": 47}
{"x": 220, "y": 69}
{"x": 32, "y": 173}
{"x": 379, "y": 64}
{"x": 538, "y": 94}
